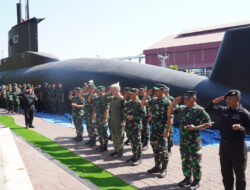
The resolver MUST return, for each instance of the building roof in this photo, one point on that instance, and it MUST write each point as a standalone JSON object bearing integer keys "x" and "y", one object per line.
{"x": 198, "y": 36}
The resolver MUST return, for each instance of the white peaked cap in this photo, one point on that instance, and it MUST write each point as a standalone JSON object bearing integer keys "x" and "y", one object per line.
{"x": 116, "y": 85}
{"x": 91, "y": 82}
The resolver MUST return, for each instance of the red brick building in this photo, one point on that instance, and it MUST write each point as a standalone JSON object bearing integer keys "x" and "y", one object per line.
{"x": 192, "y": 50}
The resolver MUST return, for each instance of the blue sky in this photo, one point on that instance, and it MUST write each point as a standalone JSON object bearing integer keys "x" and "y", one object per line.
{"x": 114, "y": 28}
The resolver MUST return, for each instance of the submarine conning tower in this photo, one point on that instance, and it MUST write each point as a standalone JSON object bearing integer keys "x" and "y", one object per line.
{"x": 23, "y": 44}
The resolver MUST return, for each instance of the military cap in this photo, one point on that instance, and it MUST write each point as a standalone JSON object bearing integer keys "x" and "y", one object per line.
{"x": 15, "y": 84}
{"x": 133, "y": 90}
{"x": 77, "y": 89}
{"x": 101, "y": 88}
{"x": 39, "y": 85}
{"x": 234, "y": 92}
{"x": 91, "y": 86}
{"x": 143, "y": 87}
{"x": 45, "y": 83}
{"x": 159, "y": 88}
{"x": 189, "y": 94}
{"x": 164, "y": 86}
{"x": 9, "y": 85}
{"x": 28, "y": 87}
{"x": 127, "y": 88}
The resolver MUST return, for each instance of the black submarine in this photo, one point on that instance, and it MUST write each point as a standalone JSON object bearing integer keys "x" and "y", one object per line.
{"x": 26, "y": 65}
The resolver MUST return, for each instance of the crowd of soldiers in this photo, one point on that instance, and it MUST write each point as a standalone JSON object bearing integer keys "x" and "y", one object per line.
{"x": 130, "y": 112}
{"x": 50, "y": 98}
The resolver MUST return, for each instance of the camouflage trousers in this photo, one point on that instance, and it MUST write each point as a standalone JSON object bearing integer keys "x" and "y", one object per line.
{"x": 170, "y": 138}
{"x": 16, "y": 107}
{"x": 91, "y": 128}
{"x": 10, "y": 106}
{"x": 102, "y": 131}
{"x": 134, "y": 136}
{"x": 160, "y": 149}
{"x": 191, "y": 157}
{"x": 145, "y": 132}
{"x": 52, "y": 106}
{"x": 78, "y": 119}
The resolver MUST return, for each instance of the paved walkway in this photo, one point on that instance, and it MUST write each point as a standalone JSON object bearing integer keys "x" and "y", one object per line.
{"x": 137, "y": 176}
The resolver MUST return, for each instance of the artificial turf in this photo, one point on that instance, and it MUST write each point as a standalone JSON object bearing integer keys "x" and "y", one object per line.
{"x": 86, "y": 169}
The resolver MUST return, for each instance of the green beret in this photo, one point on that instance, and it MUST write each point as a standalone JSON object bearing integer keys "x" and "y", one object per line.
{"x": 189, "y": 94}
{"x": 235, "y": 93}
{"x": 101, "y": 88}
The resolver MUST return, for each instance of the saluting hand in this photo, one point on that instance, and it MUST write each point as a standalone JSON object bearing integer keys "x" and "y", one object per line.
{"x": 177, "y": 100}
{"x": 149, "y": 92}
{"x": 218, "y": 100}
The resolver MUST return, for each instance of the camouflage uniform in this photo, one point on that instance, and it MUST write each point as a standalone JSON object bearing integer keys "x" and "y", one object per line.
{"x": 9, "y": 96}
{"x": 3, "y": 96}
{"x": 100, "y": 106}
{"x": 158, "y": 108}
{"x": 60, "y": 99}
{"x": 52, "y": 100}
{"x": 145, "y": 126}
{"x": 38, "y": 103}
{"x": 16, "y": 100}
{"x": 190, "y": 141}
{"x": 45, "y": 99}
{"x": 134, "y": 126}
{"x": 77, "y": 114}
{"x": 171, "y": 130}
{"x": 88, "y": 111}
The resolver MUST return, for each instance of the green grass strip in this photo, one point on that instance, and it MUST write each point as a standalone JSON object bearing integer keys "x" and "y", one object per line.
{"x": 99, "y": 177}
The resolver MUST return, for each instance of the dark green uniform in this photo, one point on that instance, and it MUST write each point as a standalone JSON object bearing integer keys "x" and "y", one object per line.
{"x": 117, "y": 115}
{"x": 190, "y": 141}
{"x": 16, "y": 100}
{"x": 60, "y": 100}
{"x": 52, "y": 100}
{"x": 9, "y": 96}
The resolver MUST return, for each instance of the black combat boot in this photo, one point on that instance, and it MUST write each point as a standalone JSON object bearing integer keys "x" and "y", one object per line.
{"x": 93, "y": 143}
{"x": 130, "y": 160}
{"x": 118, "y": 154}
{"x": 137, "y": 162}
{"x": 186, "y": 181}
{"x": 74, "y": 138}
{"x": 195, "y": 184}
{"x": 113, "y": 153}
{"x": 79, "y": 139}
{"x": 155, "y": 169}
{"x": 88, "y": 142}
{"x": 127, "y": 142}
{"x": 104, "y": 148}
{"x": 163, "y": 172}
